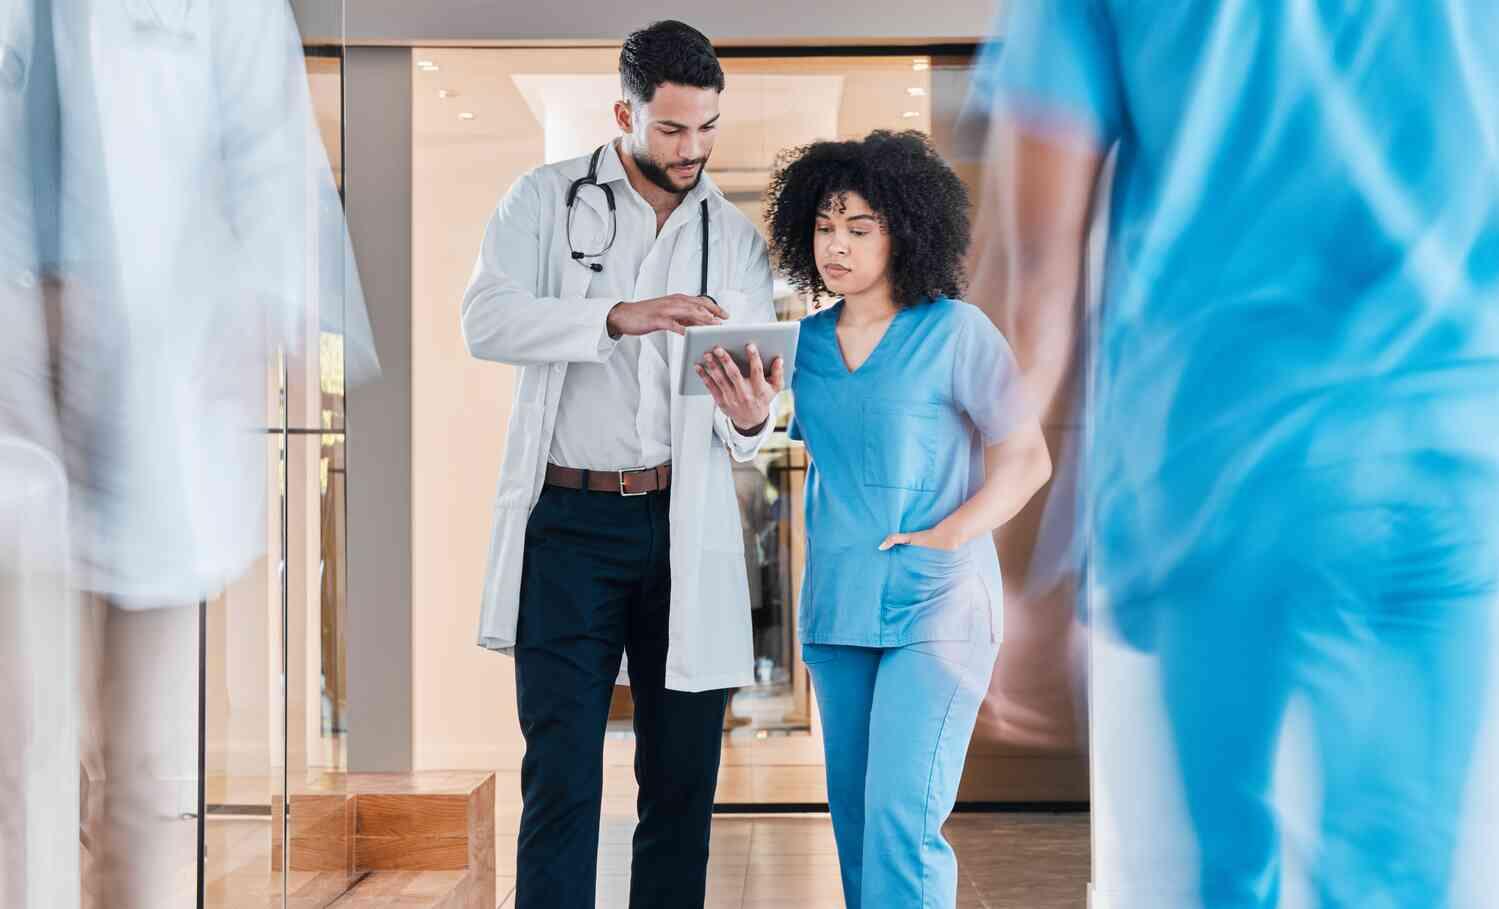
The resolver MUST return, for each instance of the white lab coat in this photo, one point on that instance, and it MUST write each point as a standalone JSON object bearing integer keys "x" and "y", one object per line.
{"x": 39, "y": 645}
{"x": 527, "y": 304}
{"x": 195, "y": 198}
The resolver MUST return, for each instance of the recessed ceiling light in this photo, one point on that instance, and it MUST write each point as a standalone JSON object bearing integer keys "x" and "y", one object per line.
{"x": 426, "y": 66}
{"x": 446, "y": 93}
{"x": 916, "y": 92}
{"x": 466, "y": 115}
{"x": 911, "y": 114}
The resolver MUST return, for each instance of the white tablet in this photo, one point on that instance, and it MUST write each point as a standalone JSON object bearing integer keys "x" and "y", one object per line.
{"x": 774, "y": 339}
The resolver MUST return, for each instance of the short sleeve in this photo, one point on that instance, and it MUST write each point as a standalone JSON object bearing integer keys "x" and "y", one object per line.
{"x": 1053, "y": 61}
{"x": 987, "y": 385}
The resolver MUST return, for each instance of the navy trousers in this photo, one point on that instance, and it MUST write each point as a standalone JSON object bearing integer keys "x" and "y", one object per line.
{"x": 596, "y": 584}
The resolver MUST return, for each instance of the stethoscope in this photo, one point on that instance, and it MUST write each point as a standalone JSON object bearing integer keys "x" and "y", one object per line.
{"x": 592, "y": 179}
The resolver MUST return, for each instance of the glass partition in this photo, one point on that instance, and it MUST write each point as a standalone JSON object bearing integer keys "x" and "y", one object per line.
{"x": 275, "y": 693}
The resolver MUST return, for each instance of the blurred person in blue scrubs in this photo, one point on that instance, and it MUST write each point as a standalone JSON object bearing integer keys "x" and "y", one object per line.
{"x": 921, "y": 444}
{"x": 1293, "y": 446}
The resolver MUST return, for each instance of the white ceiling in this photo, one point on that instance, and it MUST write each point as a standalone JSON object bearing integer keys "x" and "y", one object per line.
{"x": 559, "y": 103}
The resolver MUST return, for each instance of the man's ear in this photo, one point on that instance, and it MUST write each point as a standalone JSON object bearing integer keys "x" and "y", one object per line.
{"x": 624, "y": 116}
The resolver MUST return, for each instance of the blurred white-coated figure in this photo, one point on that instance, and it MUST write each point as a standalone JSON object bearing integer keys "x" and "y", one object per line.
{"x": 38, "y": 684}
{"x": 194, "y": 213}
{"x": 38, "y": 619}
{"x": 192, "y": 176}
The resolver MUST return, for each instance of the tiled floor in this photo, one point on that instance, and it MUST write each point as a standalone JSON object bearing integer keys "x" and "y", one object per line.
{"x": 1028, "y": 861}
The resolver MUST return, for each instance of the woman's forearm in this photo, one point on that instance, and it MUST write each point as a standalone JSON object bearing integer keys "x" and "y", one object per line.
{"x": 1014, "y": 470}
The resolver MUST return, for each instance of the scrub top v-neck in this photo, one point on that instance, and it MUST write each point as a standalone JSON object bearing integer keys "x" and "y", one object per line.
{"x": 897, "y": 445}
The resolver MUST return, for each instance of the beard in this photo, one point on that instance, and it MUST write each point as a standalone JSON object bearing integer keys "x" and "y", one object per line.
{"x": 659, "y": 175}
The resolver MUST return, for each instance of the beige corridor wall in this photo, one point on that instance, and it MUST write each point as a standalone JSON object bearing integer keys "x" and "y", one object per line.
{"x": 463, "y": 702}
{"x": 463, "y": 713}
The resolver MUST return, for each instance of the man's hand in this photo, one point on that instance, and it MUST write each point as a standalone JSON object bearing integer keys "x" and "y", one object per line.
{"x": 673, "y": 312}
{"x": 745, "y": 400}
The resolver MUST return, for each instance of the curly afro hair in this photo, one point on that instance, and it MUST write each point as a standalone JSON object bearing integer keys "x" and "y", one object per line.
{"x": 921, "y": 203}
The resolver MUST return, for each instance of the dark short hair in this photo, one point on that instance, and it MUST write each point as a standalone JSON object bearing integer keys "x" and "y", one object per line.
{"x": 668, "y": 51}
{"x": 921, "y": 203}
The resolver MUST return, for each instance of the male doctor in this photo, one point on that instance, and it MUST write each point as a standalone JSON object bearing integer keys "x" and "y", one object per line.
{"x": 616, "y": 525}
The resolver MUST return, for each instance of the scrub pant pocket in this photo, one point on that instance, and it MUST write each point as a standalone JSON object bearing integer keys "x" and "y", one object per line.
{"x": 896, "y": 725}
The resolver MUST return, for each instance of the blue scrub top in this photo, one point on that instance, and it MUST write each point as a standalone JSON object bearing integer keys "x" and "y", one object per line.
{"x": 896, "y": 446}
{"x": 1303, "y": 255}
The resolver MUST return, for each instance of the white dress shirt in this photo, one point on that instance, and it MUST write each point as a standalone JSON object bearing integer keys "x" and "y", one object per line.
{"x": 614, "y": 415}
{"x": 601, "y": 424}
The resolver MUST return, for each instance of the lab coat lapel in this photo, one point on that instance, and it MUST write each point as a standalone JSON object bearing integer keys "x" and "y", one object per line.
{"x": 590, "y": 228}
{"x": 575, "y": 279}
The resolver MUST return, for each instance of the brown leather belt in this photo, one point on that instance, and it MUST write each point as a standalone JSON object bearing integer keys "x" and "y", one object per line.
{"x": 635, "y": 482}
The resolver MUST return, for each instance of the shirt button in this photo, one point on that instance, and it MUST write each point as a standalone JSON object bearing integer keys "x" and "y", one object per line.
{"x": 12, "y": 68}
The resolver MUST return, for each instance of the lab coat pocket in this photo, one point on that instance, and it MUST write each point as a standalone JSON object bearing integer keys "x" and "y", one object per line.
{"x": 522, "y": 456}
{"x": 900, "y": 444}
{"x": 162, "y": 23}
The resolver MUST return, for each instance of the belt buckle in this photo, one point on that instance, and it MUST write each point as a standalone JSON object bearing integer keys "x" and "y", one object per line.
{"x": 625, "y": 492}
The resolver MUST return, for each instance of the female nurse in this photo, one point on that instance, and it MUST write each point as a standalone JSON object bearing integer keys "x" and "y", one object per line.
{"x": 910, "y": 405}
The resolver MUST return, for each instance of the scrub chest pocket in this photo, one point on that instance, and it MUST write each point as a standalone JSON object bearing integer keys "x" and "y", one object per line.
{"x": 900, "y": 440}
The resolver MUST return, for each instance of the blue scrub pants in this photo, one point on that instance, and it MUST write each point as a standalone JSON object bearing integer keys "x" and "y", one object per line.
{"x": 1368, "y": 589}
{"x": 896, "y": 724}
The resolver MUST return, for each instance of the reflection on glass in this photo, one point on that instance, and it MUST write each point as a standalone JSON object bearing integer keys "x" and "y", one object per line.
{"x": 775, "y": 704}
{"x": 244, "y": 724}
{"x": 276, "y": 692}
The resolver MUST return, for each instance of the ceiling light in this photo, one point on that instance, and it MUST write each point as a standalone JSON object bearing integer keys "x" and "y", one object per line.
{"x": 921, "y": 64}
{"x": 426, "y": 66}
{"x": 916, "y": 92}
{"x": 911, "y": 114}
{"x": 446, "y": 93}
{"x": 466, "y": 115}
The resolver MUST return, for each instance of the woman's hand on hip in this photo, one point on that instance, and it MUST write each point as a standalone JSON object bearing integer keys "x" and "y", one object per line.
{"x": 936, "y": 538}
